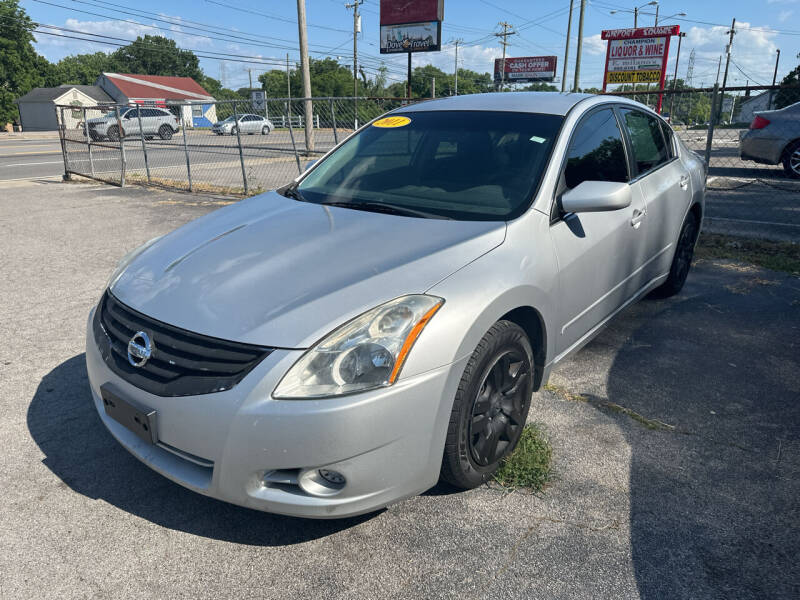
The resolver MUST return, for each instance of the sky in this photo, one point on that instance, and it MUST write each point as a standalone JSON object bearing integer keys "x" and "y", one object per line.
{"x": 232, "y": 36}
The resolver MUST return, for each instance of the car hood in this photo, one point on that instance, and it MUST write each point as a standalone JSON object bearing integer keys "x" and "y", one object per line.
{"x": 274, "y": 271}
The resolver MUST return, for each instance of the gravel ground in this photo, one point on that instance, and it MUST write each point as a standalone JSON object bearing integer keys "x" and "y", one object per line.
{"x": 676, "y": 438}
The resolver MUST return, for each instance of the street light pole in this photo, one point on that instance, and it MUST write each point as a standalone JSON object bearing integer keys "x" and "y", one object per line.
{"x": 308, "y": 117}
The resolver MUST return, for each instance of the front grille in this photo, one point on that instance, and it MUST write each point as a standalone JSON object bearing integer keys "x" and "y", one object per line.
{"x": 182, "y": 363}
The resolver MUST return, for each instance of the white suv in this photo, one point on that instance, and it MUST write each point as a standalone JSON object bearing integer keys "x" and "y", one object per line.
{"x": 154, "y": 121}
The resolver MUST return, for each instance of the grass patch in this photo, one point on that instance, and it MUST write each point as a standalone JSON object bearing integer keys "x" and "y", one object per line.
{"x": 529, "y": 466}
{"x": 777, "y": 256}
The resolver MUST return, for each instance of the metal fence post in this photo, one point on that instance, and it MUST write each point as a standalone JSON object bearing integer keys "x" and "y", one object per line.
{"x": 291, "y": 134}
{"x": 121, "y": 136}
{"x": 333, "y": 117}
{"x": 186, "y": 151}
{"x": 144, "y": 146}
{"x": 61, "y": 136}
{"x": 88, "y": 142}
{"x": 710, "y": 134}
{"x": 239, "y": 142}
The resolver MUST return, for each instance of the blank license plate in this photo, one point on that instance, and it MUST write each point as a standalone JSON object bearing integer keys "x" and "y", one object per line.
{"x": 139, "y": 419}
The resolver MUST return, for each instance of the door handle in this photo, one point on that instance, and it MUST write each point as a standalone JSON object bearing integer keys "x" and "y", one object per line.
{"x": 638, "y": 216}
{"x": 684, "y": 181}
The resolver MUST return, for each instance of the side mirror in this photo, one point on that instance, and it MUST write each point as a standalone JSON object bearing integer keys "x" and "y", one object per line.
{"x": 310, "y": 164}
{"x": 596, "y": 196}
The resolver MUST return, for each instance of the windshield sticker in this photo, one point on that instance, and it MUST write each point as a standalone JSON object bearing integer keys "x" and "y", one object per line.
{"x": 392, "y": 122}
{"x": 537, "y": 139}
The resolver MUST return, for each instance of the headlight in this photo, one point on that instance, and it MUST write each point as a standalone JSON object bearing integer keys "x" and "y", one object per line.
{"x": 128, "y": 259}
{"x": 366, "y": 353}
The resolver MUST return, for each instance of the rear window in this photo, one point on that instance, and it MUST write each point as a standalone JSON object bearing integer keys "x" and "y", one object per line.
{"x": 469, "y": 165}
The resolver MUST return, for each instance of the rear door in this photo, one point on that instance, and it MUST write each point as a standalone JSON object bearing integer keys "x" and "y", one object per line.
{"x": 600, "y": 254}
{"x": 664, "y": 182}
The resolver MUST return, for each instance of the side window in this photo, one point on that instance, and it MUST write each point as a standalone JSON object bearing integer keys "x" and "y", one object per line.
{"x": 596, "y": 151}
{"x": 649, "y": 148}
{"x": 668, "y": 134}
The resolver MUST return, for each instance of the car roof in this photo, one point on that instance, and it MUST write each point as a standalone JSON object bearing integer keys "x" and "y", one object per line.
{"x": 552, "y": 103}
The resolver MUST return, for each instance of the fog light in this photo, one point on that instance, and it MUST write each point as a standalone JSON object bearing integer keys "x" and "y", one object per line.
{"x": 332, "y": 476}
{"x": 321, "y": 482}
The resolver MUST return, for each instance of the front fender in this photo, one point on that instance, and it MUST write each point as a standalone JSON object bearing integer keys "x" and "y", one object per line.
{"x": 522, "y": 272}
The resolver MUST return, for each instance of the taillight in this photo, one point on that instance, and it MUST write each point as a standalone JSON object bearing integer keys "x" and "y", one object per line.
{"x": 759, "y": 122}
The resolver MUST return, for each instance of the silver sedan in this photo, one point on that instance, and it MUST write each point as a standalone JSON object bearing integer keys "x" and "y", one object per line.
{"x": 244, "y": 124}
{"x": 774, "y": 138}
{"x": 380, "y": 323}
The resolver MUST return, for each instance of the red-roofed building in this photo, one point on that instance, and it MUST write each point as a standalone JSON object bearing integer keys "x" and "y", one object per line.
{"x": 198, "y": 110}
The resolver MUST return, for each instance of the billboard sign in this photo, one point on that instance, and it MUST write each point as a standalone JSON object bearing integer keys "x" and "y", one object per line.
{"x": 526, "y": 69}
{"x": 394, "y": 12}
{"x": 411, "y": 37}
{"x": 638, "y": 55}
{"x": 637, "y": 60}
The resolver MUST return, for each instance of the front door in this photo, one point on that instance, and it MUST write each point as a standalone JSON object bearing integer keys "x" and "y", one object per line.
{"x": 600, "y": 254}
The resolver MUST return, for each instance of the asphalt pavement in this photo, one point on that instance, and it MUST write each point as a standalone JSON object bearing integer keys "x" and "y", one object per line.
{"x": 676, "y": 438}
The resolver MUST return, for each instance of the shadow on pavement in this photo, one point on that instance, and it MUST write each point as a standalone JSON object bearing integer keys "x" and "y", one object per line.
{"x": 715, "y": 502}
{"x": 78, "y": 449}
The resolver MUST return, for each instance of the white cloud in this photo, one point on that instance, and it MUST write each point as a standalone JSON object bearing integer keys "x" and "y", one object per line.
{"x": 594, "y": 45}
{"x": 54, "y": 47}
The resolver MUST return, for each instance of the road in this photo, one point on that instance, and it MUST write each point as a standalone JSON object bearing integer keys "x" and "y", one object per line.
{"x": 23, "y": 159}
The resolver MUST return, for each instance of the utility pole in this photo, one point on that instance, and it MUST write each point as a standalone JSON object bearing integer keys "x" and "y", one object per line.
{"x": 506, "y": 32}
{"x": 675, "y": 75}
{"x": 455, "y": 73}
{"x": 774, "y": 76}
{"x": 250, "y": 75}
{"x": 308, "y": 117}
{"x": 356, "y": 28}
{"x": 728, "y": 49}
{"x": 635, "y": 17}
{"x": 566, "y": 47}
{"x": 433, "y": 87}
{"x": 580, "y": 47}
{"x": 288, "y": 90}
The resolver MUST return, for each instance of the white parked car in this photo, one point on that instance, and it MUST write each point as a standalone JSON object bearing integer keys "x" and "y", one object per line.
{"x": 246, "y": 124}
{"x": 154, "y": 122}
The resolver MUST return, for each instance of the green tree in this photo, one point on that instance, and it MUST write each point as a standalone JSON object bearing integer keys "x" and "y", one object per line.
{"x": 21, "y": 69}
{"x": 80, "y": 69}
{"x": 785, "y": 97}
{"x": 157, "y": 55}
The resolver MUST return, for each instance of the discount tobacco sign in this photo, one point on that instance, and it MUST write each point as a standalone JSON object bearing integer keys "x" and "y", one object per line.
{"x": 637, "y": 55}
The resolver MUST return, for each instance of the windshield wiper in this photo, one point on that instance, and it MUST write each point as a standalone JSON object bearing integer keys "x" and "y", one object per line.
{"x": 291, "y": 191}
{"x": 389, "y": 209}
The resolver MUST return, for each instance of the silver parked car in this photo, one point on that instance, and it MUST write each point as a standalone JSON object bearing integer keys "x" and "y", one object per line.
{"x": 154, "y": 122}
{"x": 248, "y": 124}
{"x": 344, "y": 342}
{"x": 774, "y": 138}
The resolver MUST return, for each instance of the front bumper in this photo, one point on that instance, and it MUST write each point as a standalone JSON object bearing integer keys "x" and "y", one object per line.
{"x": 387, "y": 443}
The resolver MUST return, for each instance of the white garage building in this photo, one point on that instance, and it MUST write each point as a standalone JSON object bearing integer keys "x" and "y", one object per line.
{"x": 37, "y": 110}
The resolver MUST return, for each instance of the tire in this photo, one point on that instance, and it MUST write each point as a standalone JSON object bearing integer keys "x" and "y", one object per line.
{"x": 233, "y": 130}
{"x": 486, "y": 423}
{"x": 682, "y": 261}
{"x": 265, "y": 130}
{"x": 165, "y": 132}
{"x": 791, "y": 160}
{"x": 112, "y": 133}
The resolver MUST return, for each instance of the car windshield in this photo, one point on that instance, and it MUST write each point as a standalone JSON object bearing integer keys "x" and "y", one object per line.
{"x": 230, "y": 119}
{"x": 122, "y": 111}
{"x": 466, "y": 165}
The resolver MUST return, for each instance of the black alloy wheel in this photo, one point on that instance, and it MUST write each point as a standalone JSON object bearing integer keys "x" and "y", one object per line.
{"x": 497, "y": 413}
{"x": 490, "y": 406}
{"x": 682, "y": 261}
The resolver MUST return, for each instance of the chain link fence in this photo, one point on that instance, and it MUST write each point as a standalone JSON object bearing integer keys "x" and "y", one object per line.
{"x": 238, "y": 147}
{"x": 231, "y": 147}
